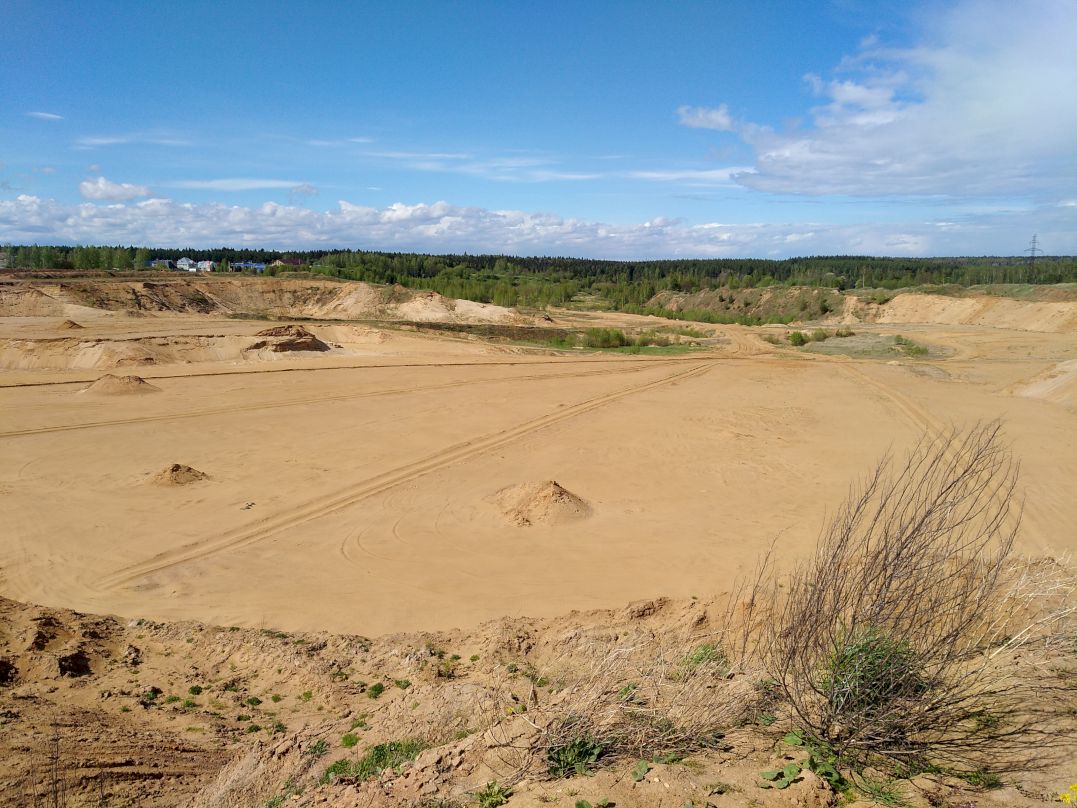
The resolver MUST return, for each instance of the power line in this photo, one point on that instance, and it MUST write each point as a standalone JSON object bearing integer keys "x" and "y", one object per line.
{"x": 1033, "y": 250}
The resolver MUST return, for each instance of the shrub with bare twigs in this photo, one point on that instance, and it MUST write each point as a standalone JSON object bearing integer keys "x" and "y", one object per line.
{"x": 909, "y": 642}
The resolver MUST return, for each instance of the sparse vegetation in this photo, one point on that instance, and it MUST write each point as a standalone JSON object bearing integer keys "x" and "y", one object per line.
{"x": 375, "y": 690}
{"x": 384, "y": 756}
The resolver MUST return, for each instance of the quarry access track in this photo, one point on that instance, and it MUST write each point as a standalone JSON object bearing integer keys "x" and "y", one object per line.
{"x": 343, "y": 498}
{"x": 296, "y": 402}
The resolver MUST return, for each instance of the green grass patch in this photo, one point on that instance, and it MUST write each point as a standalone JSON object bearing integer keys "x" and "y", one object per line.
{"x": 391, "y": 755}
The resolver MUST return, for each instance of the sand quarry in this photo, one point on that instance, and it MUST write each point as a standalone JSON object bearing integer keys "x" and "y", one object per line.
{"x": 255, "y": 497}
{"x": 365, "y": 477}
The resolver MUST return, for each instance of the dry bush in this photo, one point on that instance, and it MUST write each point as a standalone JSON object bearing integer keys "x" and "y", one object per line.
{"x": 912, "y": 640}
{"x": 654, "y": 700}
{"x": 49, "y": 787}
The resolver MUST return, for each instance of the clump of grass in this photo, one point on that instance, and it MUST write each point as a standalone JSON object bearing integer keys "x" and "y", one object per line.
{"x": 705, "y": 654}
{"x": 195, "y": 690}
{"x": 403, "y": 684}
{"x": 604, "y": 338}
{"x": 375, "y": 690}
{"x": 349, "y": 740}
{"x": 908, "y": 347}
{"x": 391, "y": 755}
{"x": 492, "y": 795}
{"x": 317, "y": 749}
{"x": 253, "y": 701}
{"x": 798, "y": 338}
{"x": 575, "y": 757}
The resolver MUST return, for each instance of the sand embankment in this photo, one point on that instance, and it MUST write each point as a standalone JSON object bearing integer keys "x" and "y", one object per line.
{"x": 261, "y": 297}
{"x": 980, "y": 310}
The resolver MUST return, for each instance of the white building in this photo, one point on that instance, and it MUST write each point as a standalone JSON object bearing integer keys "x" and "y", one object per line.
{"x": 206, "y": 266}
{"x": 187, "y": 265}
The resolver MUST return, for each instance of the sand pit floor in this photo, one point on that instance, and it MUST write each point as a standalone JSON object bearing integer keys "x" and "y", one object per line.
{"x": 357, "y": 499}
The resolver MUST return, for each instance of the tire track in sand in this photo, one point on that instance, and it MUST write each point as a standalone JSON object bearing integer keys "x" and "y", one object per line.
{"x": 920, "y": 417}
{"x": 331, "y": 503}
{"x": 272, "y": 405}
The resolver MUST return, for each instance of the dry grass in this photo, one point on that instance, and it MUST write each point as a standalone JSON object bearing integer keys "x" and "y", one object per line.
{"x": 652, "y": 700}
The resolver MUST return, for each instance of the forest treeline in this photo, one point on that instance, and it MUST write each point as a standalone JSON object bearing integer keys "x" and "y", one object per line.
{"x": 540, "y": 281}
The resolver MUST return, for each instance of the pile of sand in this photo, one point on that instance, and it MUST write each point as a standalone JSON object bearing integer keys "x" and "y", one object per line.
{"x": 109, "y": 385}
{"x": 178, "y": 474}
{"x": 540, "y": 503}
{"x": 289, "y": 338}
{"x": 69, "y": 325}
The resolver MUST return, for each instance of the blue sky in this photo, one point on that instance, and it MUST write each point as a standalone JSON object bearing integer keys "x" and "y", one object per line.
{"x": 620, "y": 129}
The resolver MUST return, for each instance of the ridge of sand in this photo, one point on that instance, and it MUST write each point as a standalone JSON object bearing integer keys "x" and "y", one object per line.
{"x": 110, "y": 385}
{"x": 542, "y": 503}
{"x": 178, "y": 474}
{"x": 69, "y": 325}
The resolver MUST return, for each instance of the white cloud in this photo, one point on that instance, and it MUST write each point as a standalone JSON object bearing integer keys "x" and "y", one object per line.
{"x": 45, "y": 116}
{"x": 707, "y": 176}
{"x": 496, "y": 168}
{"x": 985, "y": 105}
{"x": 237, "y": 184}
{"x": 407, "y": 155}
{"x": 344, "y": 142}
{"x": 147, "y": 138}
{"x": 100, "y": 188}
{"x": 442, "y": 227}
{"x": 706, "y": 118}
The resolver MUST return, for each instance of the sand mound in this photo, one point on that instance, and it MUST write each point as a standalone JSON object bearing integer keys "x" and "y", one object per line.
{"x": 178, "y": 474}
{"x": 541, "y": 503}
{"x": 69, "y": 325}
{"x": 289, "y": 338}
{"x": 110, "y": 385}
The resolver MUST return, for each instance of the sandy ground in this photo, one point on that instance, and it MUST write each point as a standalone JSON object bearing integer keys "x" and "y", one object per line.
{"x": 354, "y": 490}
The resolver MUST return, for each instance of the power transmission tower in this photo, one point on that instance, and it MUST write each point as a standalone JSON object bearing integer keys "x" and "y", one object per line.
{"x": 1033, "y": 250}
